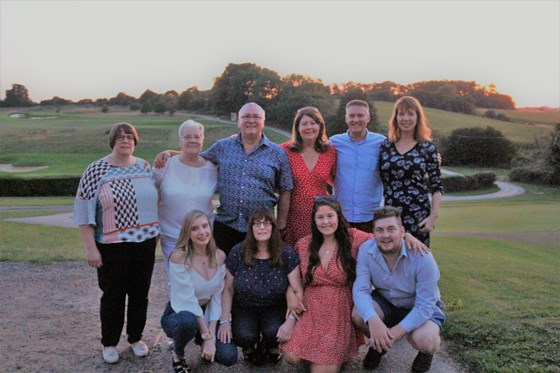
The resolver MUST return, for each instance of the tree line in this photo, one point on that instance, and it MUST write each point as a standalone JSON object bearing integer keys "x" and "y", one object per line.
{"x": 282, "y": 96}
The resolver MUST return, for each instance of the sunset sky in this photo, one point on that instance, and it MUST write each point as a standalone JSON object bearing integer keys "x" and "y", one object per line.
{"x": 94, "y": 49}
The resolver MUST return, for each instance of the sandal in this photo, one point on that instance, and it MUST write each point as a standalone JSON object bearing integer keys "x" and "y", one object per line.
{"x": 181, "y": 366}
{"x": 249, "y": 354}
{"x": 274, "y": 357}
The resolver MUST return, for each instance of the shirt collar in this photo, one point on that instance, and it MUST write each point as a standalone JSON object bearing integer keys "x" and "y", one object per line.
{"x": 359, "y": 141}
{"x": 264, "y": 140}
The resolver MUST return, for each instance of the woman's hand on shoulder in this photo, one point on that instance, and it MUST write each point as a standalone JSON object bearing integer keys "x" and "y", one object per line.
{"x": 415, "y": 244}
{"x": 177, "y": 256}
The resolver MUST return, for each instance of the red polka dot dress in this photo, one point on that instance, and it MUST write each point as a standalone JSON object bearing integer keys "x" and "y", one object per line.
{"x": 324, "y": 333}
{"x": 307, "y": 184}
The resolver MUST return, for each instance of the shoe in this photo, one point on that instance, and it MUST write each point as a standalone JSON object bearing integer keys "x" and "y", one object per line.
{"x": 140, "y": 349}
{"x": 249, "y": 354}
{"x": 372, "y": 359}
{"x": 181, "y": 366}
{"x": 110, "y": 354}
{"x": 274, "y": 357}
{"x": 422, "y": 362}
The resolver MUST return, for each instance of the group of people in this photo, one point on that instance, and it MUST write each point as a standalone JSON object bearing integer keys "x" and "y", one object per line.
{"x": 274, "y": 284}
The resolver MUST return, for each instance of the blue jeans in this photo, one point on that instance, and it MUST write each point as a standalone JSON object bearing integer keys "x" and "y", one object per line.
{"x": 183, "y": 327}
{"x": 249, "y": 323}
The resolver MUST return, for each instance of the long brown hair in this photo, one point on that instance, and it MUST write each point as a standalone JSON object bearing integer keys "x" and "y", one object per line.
{"x": 321, "y": 142}
{"x": 249, "y": 246}
{"x": 184, "y": 242}
{"x": 342, "y": 235}
{"x": 421, "y": 131}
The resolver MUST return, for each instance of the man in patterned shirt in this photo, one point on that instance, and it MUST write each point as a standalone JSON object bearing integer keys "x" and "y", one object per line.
{"x": 253, "y": 172}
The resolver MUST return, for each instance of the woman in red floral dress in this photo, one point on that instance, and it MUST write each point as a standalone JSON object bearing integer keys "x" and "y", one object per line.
{"x": 324, "y": 336}
{"x": 313, "y": 163}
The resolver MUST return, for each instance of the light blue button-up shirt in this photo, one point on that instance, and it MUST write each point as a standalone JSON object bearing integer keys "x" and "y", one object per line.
{"x": 413, "y": 283}
{"x": 357, "y": 184}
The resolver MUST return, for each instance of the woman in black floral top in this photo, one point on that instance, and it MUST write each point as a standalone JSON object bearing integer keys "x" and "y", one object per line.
{"x": 406, "y": 157}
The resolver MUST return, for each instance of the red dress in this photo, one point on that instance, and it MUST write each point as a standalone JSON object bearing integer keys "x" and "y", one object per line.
{"x": 324, "y": 333}
{"x": 307, "y": 184}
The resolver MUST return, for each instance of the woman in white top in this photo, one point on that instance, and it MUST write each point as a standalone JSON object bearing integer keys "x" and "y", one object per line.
{"x": 197, "y": 275}
{"x": 187, "y": 182}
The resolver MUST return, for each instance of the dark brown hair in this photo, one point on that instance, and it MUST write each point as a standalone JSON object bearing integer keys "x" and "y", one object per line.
{"x": 249, "y": 246}
{"x": 342, "y": 235}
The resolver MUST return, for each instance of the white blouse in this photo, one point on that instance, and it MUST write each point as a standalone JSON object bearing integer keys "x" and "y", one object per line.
{"x": 188, "y": 286}
{"x": 182, "y": 189}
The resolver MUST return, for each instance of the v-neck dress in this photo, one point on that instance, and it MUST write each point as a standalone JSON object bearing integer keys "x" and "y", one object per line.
{"x": 307, "y": 185}
{"x": 404, "y": 183}
{"x": 324, "y": 333}
{"x": 188, "y": 286}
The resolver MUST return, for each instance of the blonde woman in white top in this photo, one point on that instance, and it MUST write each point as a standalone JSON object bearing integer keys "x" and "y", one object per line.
{"x": 197, "y": 276}
{"x": 187, "y": 182}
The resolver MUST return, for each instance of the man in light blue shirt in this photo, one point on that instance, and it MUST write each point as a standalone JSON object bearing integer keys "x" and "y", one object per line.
{"x": 405, "y": 299}
{"x": 358, "y": 184}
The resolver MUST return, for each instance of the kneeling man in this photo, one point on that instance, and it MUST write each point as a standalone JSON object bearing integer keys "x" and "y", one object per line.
{"x": 405, "y": 299}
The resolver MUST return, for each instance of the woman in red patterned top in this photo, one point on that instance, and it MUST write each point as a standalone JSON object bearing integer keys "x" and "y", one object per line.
{"x": 324, "y": 336}
{"x": 313, "y": 164}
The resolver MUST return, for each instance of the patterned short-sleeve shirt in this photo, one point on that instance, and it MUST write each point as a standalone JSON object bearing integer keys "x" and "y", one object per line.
{"x": 248, "y": 181}
{"x": 120, "y": 202}
{"x": 260, "y": 285}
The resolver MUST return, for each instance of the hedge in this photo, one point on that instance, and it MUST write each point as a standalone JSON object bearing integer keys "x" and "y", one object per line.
{"x": 67, "y": 186}
{"x": 38, "y": 187}
{"x": 483, "y": 180}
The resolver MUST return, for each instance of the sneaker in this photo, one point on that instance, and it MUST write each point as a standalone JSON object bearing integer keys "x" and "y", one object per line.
{"x": 110, "y": 354}
{"x": 372, "y": 359}
{"x": 140, "y": 349}
{"x": 422, "y": 362}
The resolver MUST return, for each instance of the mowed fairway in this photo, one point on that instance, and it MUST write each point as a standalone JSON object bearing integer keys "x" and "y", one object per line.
{"x": 500, "y": 279}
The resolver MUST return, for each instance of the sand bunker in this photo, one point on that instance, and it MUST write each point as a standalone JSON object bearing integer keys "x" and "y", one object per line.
{"x": 11, "y": 168}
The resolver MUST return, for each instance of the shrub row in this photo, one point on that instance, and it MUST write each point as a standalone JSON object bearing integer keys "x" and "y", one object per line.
{"x": 67, "y": 186}
{"x": 483, "y": 180}
{"x": 56, "y": 186}
{"x": 535, "y": 176}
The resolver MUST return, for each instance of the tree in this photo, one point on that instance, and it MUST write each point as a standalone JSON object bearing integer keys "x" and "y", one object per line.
{"x": 122, "y": 99}
{"x": 337, "y": 122}
{"x": 478, "y": 147}
{"x": 297, "y": 91}
{"x": 242, "y": 83}
{"x": 146, "y": 107}
{"x": 148, "y": 96}
{"x": 18, "y": 96}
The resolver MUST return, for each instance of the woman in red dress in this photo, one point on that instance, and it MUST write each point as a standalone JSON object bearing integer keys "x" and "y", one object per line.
{"x": 324, "y": 336}
{"x": 313, "y": 163}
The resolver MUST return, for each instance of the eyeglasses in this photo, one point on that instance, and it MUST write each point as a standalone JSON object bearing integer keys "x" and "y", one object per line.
{"x": 329, "y": 198}
{"x": 251, "y": 116}
{"x": 125, "y": 137}
{"x": 258, "y": 224}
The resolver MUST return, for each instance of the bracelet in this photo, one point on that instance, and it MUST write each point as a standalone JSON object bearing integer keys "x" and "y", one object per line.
{"x": 291, "y": 317}
{"x": 207, "y": 337}
{"x": 224, "y": 321}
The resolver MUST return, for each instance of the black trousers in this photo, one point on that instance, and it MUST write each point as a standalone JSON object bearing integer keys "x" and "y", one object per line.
{"x": 226, "y": 237}
{"x": 126, "y": 271}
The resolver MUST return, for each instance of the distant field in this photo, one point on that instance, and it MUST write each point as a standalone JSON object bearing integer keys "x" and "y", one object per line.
{"x": 444, "y": 122}
{"x": 69, "y": 140}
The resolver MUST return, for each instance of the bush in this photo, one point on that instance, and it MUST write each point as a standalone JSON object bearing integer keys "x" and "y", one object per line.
{"x": 503, "y": 117}
{"x": 146, "y": 108}
{"x": 482, "y": 180}
{"x": 104, "y": 109}
{"x": 490, "y": 114}
{"x": 58, "y": 186}
{"x": 134, "y": 107}
{"x": 478, "y": 147}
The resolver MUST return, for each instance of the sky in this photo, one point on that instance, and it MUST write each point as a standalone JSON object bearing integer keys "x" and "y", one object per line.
{"x": 96, "y": 49}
